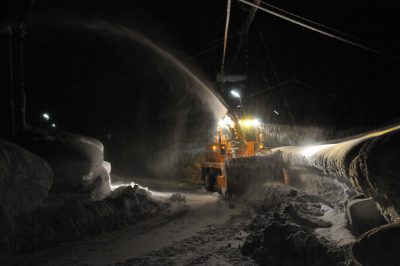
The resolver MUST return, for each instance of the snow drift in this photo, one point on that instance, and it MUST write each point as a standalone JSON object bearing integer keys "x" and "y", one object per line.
{"x": 77, "y": 219}
{"x": 77, "y": 162}
{"x": 376, "y": 172}
{"x": 370, "y": 163}
{"x": 379, "y": 246}
{"x": 25, "y": 179}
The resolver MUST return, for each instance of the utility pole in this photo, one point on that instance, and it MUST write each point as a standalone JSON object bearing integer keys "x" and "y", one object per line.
{"x": 9, "y": 31}
{"x": 17, "y": 33}
{"x": 21, "y": 93}
{"x": 17, "y": 93}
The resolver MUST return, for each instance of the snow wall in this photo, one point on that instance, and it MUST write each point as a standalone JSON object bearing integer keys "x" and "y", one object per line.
{"x": 25, "y": 179}
{"x": 369, "y": 163}
{"x": 77, "y": 161}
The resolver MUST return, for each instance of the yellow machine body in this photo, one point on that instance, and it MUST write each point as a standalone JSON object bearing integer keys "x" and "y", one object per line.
{"x": 234, "y": 138}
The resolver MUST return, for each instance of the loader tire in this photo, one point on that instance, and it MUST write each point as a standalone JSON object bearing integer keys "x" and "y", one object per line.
{"x": 209, "y": 180}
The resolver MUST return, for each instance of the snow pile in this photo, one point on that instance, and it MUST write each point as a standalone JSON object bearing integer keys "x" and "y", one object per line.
{"x": 338, "y": 232}
{"x": 78, "y": 219}
{"x": 331, "y": 159}
{"x": 176, "y": 197}
{"x": 245, "y": 175}
{"x": 98, "y": 181}
{"x": 376, "y": 172}
{"x": 287, "y": 230}
{"x": 363, "y": 214}
{"x": 77, "y": 162}
{"x": 25, "y": 180}
{"x": 380, "y": 246}
{"x": 370, "y": 163}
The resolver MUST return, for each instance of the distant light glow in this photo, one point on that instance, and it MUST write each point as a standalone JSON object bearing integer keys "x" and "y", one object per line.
{"x": 311, "y": 150}
{"x": 53, "y": 125}
{"x": 276, "y": 112}
{"x": 46, "y": 116}
{"x": 235, "y": 93}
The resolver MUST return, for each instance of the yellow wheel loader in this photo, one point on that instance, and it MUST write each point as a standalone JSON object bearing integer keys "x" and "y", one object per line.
{"x": 234, "y": 138}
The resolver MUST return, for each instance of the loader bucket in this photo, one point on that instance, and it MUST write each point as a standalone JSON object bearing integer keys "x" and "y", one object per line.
{"x": 244, "y": 172}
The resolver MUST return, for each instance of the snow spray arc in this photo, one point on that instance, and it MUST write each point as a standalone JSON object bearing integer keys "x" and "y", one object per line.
{"x": 204, "y": 92}
{"x": 171, "y": 155}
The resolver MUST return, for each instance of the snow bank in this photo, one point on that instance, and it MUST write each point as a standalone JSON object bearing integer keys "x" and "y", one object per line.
{"x": 77, "y": 162}
{"x": 330, "y": 159}
{"x": 380, "y": 246}
{"x": 25, "y": 179}
{"x": 363, "y": 215}
{"x": 78, "y": 219}
{"x": 376, "y": 172}
{"x": 370, "y": 163}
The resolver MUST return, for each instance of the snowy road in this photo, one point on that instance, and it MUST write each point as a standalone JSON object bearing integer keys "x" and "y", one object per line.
{"x": 202, "y": 231}
{"x": 205, "y": 230}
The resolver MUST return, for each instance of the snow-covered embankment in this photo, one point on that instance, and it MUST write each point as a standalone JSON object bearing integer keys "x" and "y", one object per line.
{"x": 369, "y": 163}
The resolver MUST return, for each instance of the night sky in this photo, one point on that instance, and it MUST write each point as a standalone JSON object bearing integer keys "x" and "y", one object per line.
{"x": 95, "y": 82}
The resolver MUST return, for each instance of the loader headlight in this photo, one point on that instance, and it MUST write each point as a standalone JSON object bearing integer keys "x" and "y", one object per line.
{"x": 250, "y": 122}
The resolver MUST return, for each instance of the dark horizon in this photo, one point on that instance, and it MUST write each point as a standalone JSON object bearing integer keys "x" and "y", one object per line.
{"x": 105, "y": 78}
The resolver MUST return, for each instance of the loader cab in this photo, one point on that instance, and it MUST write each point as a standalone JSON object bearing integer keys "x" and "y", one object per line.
{"x": 217, "y": 151}
{"x": 253, "y": 131}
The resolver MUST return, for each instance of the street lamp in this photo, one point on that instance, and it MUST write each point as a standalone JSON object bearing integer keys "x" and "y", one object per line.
{"x": 236, "y": 94}
{"x": 46, "y": 116}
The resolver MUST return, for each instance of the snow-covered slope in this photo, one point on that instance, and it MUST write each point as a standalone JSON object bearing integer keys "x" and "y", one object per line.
{"x": 370, "y": 162}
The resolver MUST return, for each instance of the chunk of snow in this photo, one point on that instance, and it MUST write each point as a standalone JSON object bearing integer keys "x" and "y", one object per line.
{"x": 338, "y": 232}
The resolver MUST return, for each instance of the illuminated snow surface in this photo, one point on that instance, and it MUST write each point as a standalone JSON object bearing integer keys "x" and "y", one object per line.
{"x": 203, "y": 228}
{"x": 200, "y": 229}
{"x": 330, "y": 158}
{"x": 368, "y": 162}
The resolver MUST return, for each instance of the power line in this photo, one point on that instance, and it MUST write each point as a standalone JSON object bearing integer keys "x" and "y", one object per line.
{"x": 323, "y": 26}
{"x": 310, "y": 21}
{"x": 313, "y": 28}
